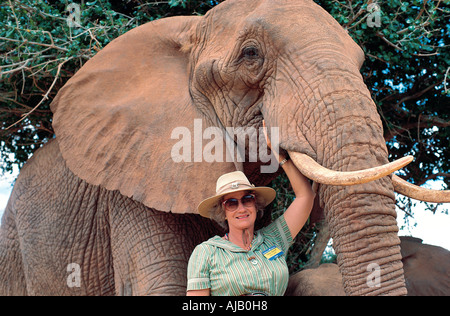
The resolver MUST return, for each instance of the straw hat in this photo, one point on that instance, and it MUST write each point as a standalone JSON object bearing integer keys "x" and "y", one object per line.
{"x": 234, "y": 182}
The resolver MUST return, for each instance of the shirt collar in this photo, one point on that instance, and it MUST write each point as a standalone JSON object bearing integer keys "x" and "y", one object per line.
{"x": 228, "y": 245}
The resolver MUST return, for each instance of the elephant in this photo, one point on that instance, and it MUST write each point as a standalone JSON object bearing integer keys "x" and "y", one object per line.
{"x": 108, "y": 207}
{"x": 324, "y": 280}
{"x": 426, "y": 269}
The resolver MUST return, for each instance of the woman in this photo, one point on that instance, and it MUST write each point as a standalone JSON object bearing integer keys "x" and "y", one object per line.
{"x": 245, "y": 262}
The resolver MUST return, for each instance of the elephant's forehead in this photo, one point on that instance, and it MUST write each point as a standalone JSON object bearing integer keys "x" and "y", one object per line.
{"x": 269, "y": 11}
{"x": 282, "y": 20}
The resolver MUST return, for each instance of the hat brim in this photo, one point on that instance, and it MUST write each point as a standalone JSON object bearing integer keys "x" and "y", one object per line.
{"x": 204, "y": 208}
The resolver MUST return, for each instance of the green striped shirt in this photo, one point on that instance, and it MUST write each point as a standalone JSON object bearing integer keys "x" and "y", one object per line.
{"x": 227, "y": 269}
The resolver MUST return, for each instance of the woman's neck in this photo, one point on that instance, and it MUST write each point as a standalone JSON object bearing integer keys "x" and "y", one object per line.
{"x": 242, "y": 238}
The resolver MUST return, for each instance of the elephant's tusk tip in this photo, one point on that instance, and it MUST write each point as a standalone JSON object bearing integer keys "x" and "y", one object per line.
{"x": 404, "y": 161}
{"x": 409, "y": 158}
{"x": 422, "y": 194}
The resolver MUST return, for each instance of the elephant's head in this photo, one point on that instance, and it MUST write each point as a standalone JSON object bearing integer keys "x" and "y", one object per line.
{"x": 287, "y": 62}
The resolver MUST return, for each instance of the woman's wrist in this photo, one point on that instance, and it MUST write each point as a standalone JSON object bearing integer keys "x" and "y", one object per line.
{"x": 283, "y": 161}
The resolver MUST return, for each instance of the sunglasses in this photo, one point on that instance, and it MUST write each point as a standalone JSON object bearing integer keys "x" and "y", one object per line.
{"x": 232, "y": 204}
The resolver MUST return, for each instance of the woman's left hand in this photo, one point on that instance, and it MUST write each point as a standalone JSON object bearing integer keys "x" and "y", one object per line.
{"x": 280, "y": 157}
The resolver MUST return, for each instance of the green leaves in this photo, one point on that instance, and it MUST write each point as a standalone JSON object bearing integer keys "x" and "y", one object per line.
{"x": 175, "y": 3}
{"x": 36, "y": 37}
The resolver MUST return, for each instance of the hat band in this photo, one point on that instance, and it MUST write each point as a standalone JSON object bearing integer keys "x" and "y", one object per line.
{"x": 233, "y": 186}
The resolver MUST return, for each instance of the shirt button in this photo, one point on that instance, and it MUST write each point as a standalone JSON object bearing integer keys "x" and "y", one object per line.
{"x": 254, "y": 261}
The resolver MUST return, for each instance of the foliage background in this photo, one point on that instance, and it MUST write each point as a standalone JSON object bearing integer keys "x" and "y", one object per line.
{"x": 407, "y": 70}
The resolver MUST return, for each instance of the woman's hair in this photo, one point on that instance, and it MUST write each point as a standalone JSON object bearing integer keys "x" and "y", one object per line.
{"x": 217, "y": 213}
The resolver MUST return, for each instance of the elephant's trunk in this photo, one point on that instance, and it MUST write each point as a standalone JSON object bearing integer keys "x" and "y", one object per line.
{"x": 362, "y": 222}
{"x": 345, "y": 134}
{"x": 324, "y": 110}
{"x": 361, "y": 217}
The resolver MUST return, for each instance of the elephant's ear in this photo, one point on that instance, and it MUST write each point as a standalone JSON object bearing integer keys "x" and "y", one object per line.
{"x": 114, "y": 119}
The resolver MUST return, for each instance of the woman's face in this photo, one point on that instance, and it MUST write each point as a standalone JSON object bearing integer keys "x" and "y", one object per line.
{"x": 243, "y": 217}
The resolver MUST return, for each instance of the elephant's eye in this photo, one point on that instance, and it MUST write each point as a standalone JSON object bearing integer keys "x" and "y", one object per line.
{"x": 250, "y": 52}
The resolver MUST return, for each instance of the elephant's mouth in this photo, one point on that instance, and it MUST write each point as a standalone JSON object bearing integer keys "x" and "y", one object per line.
{"x": 322, "y": 175}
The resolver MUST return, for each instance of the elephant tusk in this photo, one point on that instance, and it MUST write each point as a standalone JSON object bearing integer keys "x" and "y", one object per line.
{"x": 314, "y": 171}
{"x": 414, "y": 191}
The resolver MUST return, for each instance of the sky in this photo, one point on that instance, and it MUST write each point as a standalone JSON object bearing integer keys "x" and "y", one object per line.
{"x": 6, "y": 182}
{"x": 433, "y": 229}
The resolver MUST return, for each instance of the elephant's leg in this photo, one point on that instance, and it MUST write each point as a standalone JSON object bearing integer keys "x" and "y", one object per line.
{"x": 12, "y": 277}
{"x": 151, "y": 248}
{"x": 63, "y": 230}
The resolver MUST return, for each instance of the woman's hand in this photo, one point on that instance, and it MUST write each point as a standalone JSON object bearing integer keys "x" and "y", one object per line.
{"x": 279, "y": 156}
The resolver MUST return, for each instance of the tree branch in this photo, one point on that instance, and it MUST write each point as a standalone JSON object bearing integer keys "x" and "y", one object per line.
{"x": 401, "y": 49}
{"x": 45, "y": 97}
{"x": 415, "y": 96}
{"x": 34, "y": 43}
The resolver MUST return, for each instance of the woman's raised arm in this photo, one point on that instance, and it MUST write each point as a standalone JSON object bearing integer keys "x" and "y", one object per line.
{"x": 298, "y": 212}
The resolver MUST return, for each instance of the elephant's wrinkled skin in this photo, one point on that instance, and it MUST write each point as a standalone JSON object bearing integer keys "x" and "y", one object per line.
{"x": 98, "y": 229}
{"x": 427, "y": 273}
{"x": 324, "y": 280}
{"x": 427, "y": 268}
{"x": 108, "y": 195}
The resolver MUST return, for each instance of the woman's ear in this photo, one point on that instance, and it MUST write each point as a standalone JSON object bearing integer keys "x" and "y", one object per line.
{"x": 115, "y": 117}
